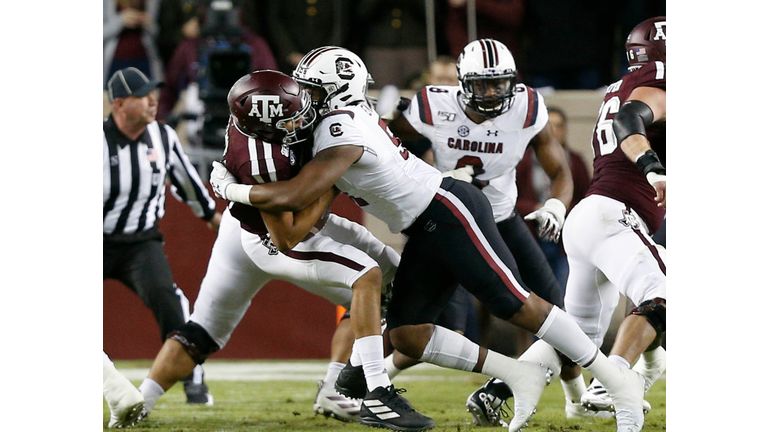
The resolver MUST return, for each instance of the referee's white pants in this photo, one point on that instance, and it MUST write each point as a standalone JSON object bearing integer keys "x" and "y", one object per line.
{"x": 609, "y": 253}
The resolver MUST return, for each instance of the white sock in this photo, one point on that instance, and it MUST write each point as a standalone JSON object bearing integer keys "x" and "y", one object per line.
{"x": 354, "y": 358}
{"x": 371, "y": 352}
{"x": 573, "y": 389}
{"x": 542, "y": 352}
{"x": 151, "y": 391}
{"x": 392, "y": 370}
{"x": 619, "y": 361}
{"x": 450, "y": 349}
{"x": 496, "y": 365}
{"x": 334, "y": 368}
{"x": 651, "y": 358}
{"x": 605, "y": 371}
{"x": 562, "y": 332}
{"x": 651, "y": 365}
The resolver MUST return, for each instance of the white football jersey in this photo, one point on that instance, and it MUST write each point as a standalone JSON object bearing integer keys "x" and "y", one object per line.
{"x": 497, "y": 144}
{"x": 387, "y": 181}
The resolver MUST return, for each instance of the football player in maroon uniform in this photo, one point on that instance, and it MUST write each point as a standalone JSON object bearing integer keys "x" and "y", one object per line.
{"x": 321, "y": 252}
{"x": 629, "y": 189}
{"x": 607, "y": 235}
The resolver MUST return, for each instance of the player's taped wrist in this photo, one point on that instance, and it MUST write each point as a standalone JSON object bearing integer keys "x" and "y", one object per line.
{"x": 239, "y": 193}
{"x": 556, "y": 207}
{"x": 650, "y": 165}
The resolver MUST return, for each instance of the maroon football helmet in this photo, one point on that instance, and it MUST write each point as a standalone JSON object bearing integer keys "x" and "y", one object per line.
{"x": 647, "y": 42}
{"x": 272, "y": 106}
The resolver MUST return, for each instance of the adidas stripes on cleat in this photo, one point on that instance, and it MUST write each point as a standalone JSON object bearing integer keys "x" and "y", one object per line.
{"x": 385, "y": 408}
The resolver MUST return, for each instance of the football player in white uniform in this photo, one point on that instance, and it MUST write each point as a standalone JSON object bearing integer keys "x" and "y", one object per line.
{"x": 480, "y": 130}
{"x": 608, "y": 235}
{"x": 337, "y": 260}
{"x": 452, "y": 239}
{"x": 126, "y": 404}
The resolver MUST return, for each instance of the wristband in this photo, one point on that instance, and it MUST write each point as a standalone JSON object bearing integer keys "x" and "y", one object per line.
{"x": 649, "y": 162}
{"x": 239, "y": 193}
{"x": 556, "y": 207}
{"x": 655, "y": 178}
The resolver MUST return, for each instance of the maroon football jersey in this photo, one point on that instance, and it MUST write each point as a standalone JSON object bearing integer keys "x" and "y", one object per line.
{"x": 615, "y": 176}
{"x": 253, "y": 161}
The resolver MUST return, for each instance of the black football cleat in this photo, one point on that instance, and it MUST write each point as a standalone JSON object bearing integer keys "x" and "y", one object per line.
{"x": 385, "y": 408}
{"x": 351, "y": 382}
{"x": 486, "y": 404}
{"x": 198, "y": 393}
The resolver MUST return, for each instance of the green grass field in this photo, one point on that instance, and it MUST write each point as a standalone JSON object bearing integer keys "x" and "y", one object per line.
{"x": 287, "y": 405}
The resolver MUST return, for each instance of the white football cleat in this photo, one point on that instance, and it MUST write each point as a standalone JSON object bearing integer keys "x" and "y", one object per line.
{"x": 126, "y": 404}
{"x": 597, "y": 399}
{"x": 331, "y": 404}
{"x": 527, "y": 382}
{"x": 574, "y": 410}
{"x": 628, "y": 401}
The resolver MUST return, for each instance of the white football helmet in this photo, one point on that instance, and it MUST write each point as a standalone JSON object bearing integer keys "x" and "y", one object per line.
{"x": 488, "y": 75}
{"x": 337, "y": 73}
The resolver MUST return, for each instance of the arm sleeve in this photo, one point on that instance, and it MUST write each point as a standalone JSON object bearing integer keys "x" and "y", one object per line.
{"x": 186, "y": 185}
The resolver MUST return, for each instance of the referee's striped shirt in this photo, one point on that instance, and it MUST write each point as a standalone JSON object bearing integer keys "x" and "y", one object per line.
{"x": 135, "y": 174}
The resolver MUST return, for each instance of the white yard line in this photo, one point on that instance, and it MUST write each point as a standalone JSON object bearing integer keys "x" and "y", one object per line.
{"x": 281, "y": 371}
{"x": 293, "y": 370}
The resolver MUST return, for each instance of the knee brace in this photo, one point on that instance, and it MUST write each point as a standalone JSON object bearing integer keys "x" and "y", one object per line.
{"x": 195, "y": 340}
{"x": 655, "y": 311}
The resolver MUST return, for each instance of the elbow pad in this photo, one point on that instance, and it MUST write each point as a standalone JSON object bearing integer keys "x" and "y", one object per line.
{"x": 632, "y": 119}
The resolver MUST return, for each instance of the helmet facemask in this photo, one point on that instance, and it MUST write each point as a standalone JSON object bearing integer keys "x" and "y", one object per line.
{"x": 298, "y": 128}
{"x": 490, "y": 96}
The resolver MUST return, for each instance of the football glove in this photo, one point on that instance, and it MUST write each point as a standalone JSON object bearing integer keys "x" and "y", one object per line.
{"x": 225, "y": 185}
{"x": 466, "y": 173}
{"x": 550, "y": 218}
{"x": 220, "y": 179}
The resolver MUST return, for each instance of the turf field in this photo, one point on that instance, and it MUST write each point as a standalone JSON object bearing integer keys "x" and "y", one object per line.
{"x": 278, "y": 396}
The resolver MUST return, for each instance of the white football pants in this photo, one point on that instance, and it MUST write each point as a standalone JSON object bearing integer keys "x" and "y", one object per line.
{"x": 603, "y": 240}
{"x": 241, "y": 264}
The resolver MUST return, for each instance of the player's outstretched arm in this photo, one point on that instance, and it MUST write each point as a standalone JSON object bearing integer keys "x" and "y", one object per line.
{"x": 287, "y": 229}
{"x": 293, "y": 195}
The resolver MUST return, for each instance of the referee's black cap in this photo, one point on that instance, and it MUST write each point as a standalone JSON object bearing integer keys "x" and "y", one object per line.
{"x": 130, "y": 82}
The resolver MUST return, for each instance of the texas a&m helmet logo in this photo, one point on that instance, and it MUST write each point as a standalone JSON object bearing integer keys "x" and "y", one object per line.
{"x": 266, "y": 107}
{"x": 344, "y": 68}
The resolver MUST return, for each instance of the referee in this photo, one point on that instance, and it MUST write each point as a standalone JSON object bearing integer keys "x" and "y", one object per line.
{"x": 139, "y": 154}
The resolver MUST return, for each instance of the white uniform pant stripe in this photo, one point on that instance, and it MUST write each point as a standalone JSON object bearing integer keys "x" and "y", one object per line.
{"x": 487, "y": 249}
